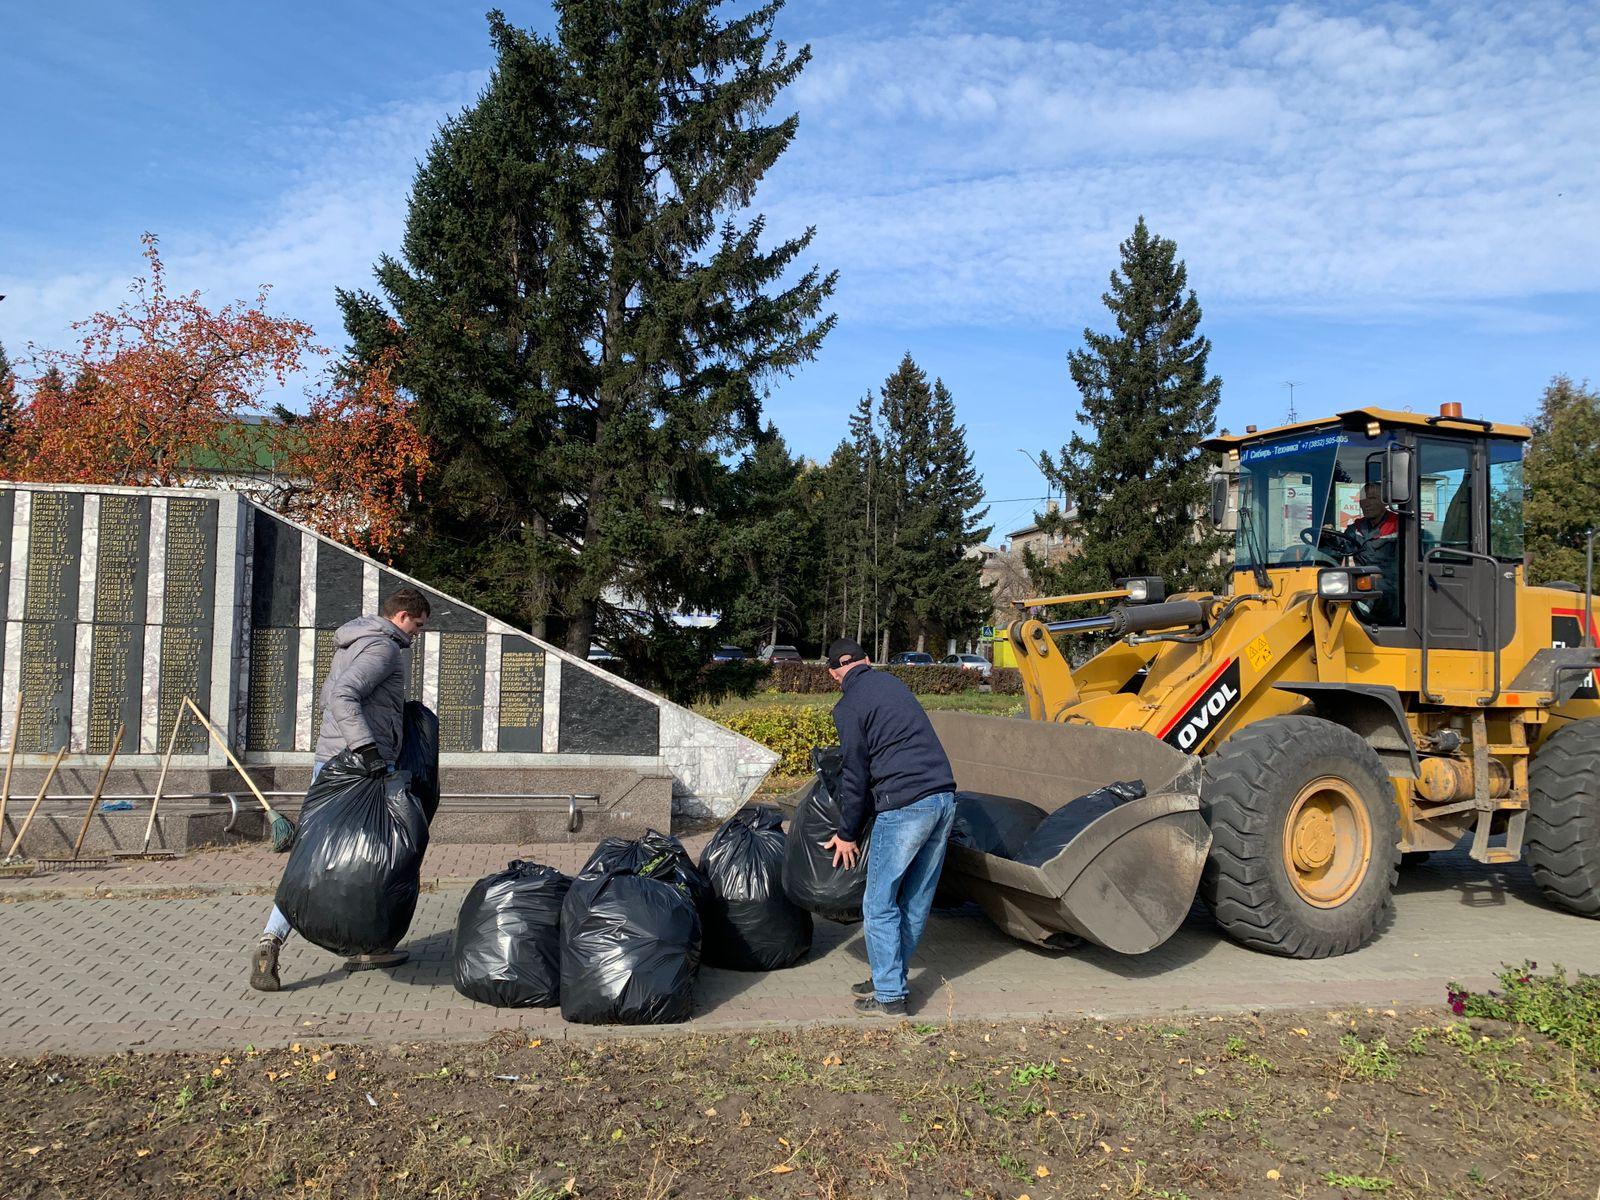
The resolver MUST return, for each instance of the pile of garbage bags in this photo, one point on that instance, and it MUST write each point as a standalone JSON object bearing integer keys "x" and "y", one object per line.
{"x": 355, "y": 870}
{"x": 1024, "y": 832}
{"x": 623, "y": 942}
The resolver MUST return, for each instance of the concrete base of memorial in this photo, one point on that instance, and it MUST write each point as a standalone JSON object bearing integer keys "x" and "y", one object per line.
{"x": 576, "y": 802}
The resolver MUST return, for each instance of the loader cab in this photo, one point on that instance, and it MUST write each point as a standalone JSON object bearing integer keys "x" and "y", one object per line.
{"x": 1432, "y": 504}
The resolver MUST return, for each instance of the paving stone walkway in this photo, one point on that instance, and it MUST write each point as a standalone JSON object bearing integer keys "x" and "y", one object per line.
{"x": 96, "y": 974}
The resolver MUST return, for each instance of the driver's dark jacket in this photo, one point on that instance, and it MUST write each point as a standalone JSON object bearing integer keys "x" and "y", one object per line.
{"x": 1383, "y": 554}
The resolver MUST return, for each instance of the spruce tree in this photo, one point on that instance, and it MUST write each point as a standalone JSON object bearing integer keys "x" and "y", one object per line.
{"x": 1562, "y": 472}
{"x": 584, "y": 320}
{"x": 1138, "y": 479}
{"x": 8, "y": 406}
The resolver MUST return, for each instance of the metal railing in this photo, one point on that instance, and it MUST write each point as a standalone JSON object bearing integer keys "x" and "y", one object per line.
{"x": 233, "y": 799}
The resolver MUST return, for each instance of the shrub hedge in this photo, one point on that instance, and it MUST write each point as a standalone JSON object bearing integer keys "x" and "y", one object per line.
{"x": 789, "y": 729}
{"x": 1005, "y": 681}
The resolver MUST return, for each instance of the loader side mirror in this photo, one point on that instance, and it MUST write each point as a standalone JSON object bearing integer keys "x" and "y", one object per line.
{"x": 1221, "y": 515}
{"x": 1397, "y": 475}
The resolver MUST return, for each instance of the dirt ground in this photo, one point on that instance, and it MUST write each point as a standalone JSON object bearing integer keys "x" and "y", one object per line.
{"x": 1416, "y": 1104}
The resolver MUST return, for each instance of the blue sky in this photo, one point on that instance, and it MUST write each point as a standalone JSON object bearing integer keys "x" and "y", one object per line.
{"x": 1386, "y": 204}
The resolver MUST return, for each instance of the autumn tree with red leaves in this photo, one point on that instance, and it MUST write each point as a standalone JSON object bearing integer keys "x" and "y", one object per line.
{"x": 163, "y": 382}
{"x": 353, "y": 464}
{"x": 154, "y": 382}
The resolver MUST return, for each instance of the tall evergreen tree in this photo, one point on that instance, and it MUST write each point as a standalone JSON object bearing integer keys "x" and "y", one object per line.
{"x": 9, "y": 404}
{"x": 1138, "y": 480}
{"x": 586, "y": 327}
{"x": 835, "y": 493}
{"x": 771, "y": 542}
{"x": 1562, "y": 472}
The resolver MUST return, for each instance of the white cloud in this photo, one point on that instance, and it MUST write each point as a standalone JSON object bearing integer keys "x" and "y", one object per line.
{"x": 1392, "y": 163}
{"x": 978, "y": 163}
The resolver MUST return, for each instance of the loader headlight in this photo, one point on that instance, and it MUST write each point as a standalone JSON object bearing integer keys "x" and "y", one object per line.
{"x": 1346, "y": 583}
{"x": 1144, "y": 589}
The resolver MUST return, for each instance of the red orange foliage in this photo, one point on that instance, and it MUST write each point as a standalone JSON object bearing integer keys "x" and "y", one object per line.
{"x": 356, "y": 461}
{"x": 159, "y": 384}
{"x": 152, "y": 383}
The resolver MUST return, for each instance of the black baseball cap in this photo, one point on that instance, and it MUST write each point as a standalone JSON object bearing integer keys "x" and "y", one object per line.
{"x": 845, "y": 649}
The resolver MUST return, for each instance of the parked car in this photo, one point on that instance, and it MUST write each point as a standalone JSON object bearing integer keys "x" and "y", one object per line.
{"x": 728, "y": 654}
{"x": 911, "y": 658}
{"x": 599, "y": 654}
{"x": 970, "y": 662}
{"x": 780, "y": 654}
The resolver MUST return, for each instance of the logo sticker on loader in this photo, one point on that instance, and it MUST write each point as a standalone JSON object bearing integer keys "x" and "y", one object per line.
{"x": 1566, "y": 629}
{"x": 1205, "y": 709}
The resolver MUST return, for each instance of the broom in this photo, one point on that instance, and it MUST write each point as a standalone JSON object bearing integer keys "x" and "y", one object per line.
{"x": 283, "y": 829}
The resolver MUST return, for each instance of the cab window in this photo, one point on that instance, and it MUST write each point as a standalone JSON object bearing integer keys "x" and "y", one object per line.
{"x": 1505, "y": 499}
{"x": 1444, "y": 494}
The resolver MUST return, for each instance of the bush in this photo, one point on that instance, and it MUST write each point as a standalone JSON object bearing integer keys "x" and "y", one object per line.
{"x": 1005, "y": 681}
{"x": 789, "y": 729}
{"x": 803, "y": 678}
{"x": 937, "y": 680}
{"x": 1567, "y": 1011}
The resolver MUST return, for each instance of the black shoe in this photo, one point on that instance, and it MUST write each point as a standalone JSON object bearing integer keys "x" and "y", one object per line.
{"x": 864, "y": 988}
{"x": 264, "y": 965}
{"x": 873, "y": 1007}
{"x": 376, "y": 962}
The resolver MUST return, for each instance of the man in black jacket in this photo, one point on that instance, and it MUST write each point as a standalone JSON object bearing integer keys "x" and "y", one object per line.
{"x": 893, "y": 762}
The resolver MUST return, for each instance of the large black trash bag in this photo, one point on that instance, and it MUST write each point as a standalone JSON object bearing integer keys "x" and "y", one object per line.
{"x": 809, "y": 876}
{"x": 750, "y": 924}
{"x": 630, "y": 947}
{"x": 419, "y": 754}
{"x": 508, "y": 937}
{"x": 656, "y": 855}
{"x": 1073, "y": 817}
{"x": 999, "y": 825}
{"x": 352, "y": 879}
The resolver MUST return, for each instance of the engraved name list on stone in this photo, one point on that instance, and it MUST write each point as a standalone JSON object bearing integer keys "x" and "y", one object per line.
{"x": 55, "y": 544}
{"x": 45, "y": 678}
{"x": 521, "y": 696}
{"x": 122, "y": 560}
{"x": 115, "y": 667}
{"x": 191, "y": 562}
{"x": 461, "y": 665}
{"x": 274, "y": 654}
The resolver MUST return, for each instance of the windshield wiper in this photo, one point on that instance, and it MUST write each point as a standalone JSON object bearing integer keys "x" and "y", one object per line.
{"x": 1248, "y": 524}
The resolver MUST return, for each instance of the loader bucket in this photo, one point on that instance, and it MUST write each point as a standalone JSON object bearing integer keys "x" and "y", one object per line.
{"x": 1127, "y": 879}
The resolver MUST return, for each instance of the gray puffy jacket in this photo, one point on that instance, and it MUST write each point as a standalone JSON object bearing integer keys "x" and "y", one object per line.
{"x": 364, "y": 698}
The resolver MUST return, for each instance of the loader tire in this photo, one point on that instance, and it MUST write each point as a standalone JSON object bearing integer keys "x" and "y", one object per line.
{"x": 1563, "y": 835}
{"x": 1304, "y": 838}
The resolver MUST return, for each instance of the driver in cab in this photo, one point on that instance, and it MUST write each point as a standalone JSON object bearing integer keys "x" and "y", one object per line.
{"x": 1377, "y": 533}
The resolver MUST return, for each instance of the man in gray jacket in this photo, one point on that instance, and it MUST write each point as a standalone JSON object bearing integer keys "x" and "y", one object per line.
{"x": 363, "y": 709}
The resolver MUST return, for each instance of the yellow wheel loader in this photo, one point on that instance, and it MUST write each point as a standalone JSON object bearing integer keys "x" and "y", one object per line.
{"x": 1378, "y": 680}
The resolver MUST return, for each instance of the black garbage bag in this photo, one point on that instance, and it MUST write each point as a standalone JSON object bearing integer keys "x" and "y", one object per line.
{"x": 809, "y": 876}
{"x": 419, "y": 754}
{"x": 999, "y": 825}
{"x": 655, "y": 855}
{"x": 750, "y": 924}
{"x": 352, "y": 879}
{"x": 1068, "y": 821}
{"x": 630, "y": 947}
{"x": 508, "y": 937}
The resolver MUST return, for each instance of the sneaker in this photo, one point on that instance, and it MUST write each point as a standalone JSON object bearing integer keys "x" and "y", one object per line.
{"x": 376, "y": 962}
{"x": 264, "y": 965}
{"x": 873, "y": 1007}
{"x": 864, "y": 988}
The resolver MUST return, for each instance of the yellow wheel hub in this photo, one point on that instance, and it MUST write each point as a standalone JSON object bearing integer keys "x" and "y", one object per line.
{"x": 1327, "y": 842}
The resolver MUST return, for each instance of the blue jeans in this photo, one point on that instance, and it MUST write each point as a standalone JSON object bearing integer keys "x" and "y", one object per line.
{"x": 903, "y": 865}
{"x": 277, "y": 923}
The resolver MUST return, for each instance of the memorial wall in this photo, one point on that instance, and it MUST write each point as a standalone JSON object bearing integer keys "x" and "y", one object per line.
{"x": 119, "y": 602}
